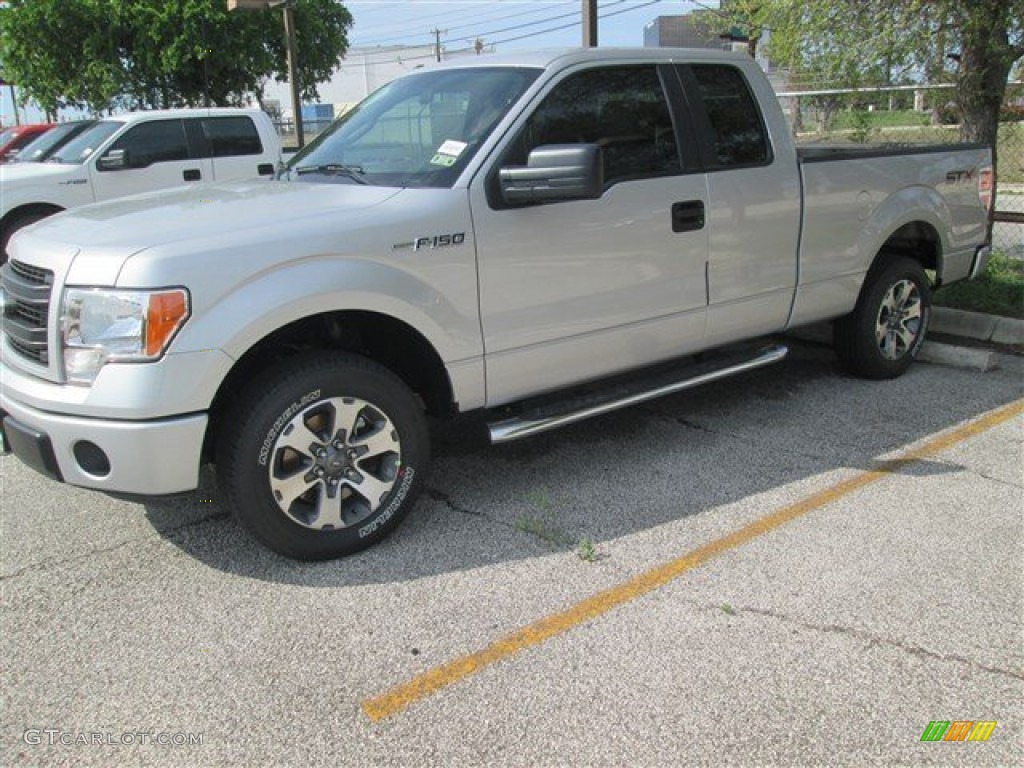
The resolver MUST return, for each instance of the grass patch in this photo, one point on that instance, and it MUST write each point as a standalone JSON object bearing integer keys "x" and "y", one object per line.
{"x": 1000, "y": 291}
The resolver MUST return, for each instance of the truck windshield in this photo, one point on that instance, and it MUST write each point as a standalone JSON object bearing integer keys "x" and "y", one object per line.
{"x": 80, "y": 148}
{"x": 418, "y": 131}
{"x": 47, "y": 144}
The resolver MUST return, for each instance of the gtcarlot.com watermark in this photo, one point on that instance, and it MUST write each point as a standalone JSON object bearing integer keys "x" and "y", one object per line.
{"x": 53, "y": 737}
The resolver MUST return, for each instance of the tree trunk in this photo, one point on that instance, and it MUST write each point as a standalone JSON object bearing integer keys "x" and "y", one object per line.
{"x": 986, "y": 57}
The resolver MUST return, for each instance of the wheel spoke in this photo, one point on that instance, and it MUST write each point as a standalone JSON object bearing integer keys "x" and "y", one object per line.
{"x": 906, "y": 337}
{"x": 298, "y": 439}
{"x": 328, "y": 510}
{"x": 381, "y": 441}
{"x": 370, "y": 488}
{"x": 345, "y": 417}
{"x": 292, "y": 487}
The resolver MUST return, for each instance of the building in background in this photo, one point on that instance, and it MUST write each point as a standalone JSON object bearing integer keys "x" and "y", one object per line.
{"x": 692, "y": 30}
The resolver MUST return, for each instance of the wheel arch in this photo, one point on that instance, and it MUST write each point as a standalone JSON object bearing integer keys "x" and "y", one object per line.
{"x": 382, "y": 338}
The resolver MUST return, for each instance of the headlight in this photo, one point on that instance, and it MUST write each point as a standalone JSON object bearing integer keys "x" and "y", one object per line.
{"x": 100, "y": 326}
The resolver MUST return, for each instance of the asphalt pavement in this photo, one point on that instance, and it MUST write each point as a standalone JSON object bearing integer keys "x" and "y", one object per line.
{"x": 791, "y": 567}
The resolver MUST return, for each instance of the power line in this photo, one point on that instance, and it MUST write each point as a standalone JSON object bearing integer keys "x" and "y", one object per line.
{"x": 413, "y": 35}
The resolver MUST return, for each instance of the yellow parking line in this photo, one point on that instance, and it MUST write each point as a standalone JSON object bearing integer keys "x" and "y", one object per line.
{"x": 432, "y": 680}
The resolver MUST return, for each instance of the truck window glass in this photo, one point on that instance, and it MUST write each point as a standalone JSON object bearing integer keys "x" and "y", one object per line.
{"x": 737, "y": 129}
{"x": 418, "y": 131}
{"x": 80, "y": 148}
{"x": 621, "y": 109}
{"x": 232, "y": 136}
{"x": 158, "y": 141}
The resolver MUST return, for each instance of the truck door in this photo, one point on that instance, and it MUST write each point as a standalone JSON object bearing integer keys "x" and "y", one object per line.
{"x": 155, "y": 156}
{"x": 754, "y": 212}
{"x": 233, "y": 143}
{"x": 575, "y": 289}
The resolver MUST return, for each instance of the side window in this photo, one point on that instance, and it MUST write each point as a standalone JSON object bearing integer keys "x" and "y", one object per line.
{"x": 231, "y": 136}
{"x": 737, "y": 129}
{"x": 621, "y": 109}
{"x": 159, "y": 141}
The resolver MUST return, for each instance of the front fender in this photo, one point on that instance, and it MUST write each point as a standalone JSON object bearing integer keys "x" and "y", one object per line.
{"x": 272, "y": 300}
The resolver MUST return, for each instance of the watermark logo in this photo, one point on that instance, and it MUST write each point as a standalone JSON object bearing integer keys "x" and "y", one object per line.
{"x": 958, "y": 730}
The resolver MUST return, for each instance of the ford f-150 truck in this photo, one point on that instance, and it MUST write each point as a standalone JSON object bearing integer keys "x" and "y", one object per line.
{"x": 533, "y": 237}
{"x": 137, "y": 152}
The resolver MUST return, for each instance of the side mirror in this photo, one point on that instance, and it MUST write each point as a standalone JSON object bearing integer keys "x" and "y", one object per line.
{"x": 114, "y": 160}
{"x": 555, "y": 172}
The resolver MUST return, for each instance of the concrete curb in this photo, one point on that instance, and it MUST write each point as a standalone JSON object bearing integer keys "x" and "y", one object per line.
{"x": 977, "y": 326}
{"x": 970, "y": 358}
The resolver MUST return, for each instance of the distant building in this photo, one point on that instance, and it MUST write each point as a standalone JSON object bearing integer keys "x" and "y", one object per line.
{"x": 692, "y": 30}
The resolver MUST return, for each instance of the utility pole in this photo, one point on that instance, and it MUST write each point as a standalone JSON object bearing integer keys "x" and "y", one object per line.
{"x": 437, "y": 40}
{"x": 589, "y": 23}
{"x": 289, "y": 34}
{"x": 293, "y": 72}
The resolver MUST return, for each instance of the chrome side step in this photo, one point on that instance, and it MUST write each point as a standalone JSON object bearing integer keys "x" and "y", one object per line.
{"x": 524, "y": 426}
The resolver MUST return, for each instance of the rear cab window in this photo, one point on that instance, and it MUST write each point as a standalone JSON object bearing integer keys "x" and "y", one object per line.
{"x": 228, "y": 136}
{"x": 732, "y": 129}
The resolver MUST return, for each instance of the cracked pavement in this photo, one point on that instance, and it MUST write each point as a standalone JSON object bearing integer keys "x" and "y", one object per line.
{"x": 834, "y": 639}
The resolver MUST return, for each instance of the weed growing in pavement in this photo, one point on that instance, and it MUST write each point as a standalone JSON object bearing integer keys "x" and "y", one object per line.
{"x": 728, "y": 609}
{"x": 586, "y": 550}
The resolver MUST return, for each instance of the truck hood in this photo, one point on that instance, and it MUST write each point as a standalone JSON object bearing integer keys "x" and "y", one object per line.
{"x": 154, "y": 219}
{"x": 16, "y": 173}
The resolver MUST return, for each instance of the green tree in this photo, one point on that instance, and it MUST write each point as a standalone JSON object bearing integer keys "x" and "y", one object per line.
{"x": 104, "y": 54}
{"x": 850, "y": 43}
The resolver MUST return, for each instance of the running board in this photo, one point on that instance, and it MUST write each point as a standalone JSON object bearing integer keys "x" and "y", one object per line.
{"x": 527, "y": 424}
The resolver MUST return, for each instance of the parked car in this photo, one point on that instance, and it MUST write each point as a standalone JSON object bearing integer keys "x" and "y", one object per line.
{"x": 17, "y": 136}
{"x": 138, "y": 152}
{"x": 41, "y": 148}
{"x": 538, "y": 237}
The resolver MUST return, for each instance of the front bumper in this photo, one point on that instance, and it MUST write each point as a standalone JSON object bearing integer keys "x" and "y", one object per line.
{"x": 144, "y": 458}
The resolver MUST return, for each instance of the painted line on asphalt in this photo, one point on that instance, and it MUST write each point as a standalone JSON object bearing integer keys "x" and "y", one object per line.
{"x": 433, "y": 680}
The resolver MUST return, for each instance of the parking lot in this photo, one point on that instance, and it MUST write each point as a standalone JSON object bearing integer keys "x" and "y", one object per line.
{"x": 790, "y": 567}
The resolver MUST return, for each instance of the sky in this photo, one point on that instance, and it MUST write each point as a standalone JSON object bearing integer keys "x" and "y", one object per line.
{"x": 510, "y": 24}
{"x": 506, "y": 24}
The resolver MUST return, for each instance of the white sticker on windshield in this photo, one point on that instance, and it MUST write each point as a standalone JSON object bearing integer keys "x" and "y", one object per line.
{"x": 452, "y": 147}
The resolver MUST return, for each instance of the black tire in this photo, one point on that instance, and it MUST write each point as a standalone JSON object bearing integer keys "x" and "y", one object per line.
{"x": 885, "y": 331}
{"x": 343, "y": 401}
{"x": 16, "y": 223}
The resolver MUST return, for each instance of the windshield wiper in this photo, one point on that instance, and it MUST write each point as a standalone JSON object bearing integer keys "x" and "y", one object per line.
{"x": 354, "y": 172}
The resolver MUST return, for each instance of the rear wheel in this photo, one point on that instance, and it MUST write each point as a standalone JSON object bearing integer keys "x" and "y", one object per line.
{"x": 885, "y": 331}
{"x": 323, "y": 456}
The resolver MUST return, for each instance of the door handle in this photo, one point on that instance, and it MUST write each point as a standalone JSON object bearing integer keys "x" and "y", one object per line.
{"x": 688, "y": 216}
{"x": 191, "y": 174}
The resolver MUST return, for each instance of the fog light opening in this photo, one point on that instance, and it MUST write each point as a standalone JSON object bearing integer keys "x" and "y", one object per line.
{"x": 91, "y": 458}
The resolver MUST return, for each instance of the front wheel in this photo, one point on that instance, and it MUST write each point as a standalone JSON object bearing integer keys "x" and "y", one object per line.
{"x": 323, "y": 456}
{"x": 885, "y": 331}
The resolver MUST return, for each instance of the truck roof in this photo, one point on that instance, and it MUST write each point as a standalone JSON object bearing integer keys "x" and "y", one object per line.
{"x": 156, "y": 114}
{"x": 564, "y": 57}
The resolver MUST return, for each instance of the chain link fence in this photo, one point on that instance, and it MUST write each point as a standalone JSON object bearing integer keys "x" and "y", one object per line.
{"x": 916, "y": 115}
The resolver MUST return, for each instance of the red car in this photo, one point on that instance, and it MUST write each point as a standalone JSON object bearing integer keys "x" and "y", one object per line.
{"x": 17, "y": 136}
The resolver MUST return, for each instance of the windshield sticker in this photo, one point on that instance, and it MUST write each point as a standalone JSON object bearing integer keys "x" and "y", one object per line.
{"x": 452, "y": 147}
{"x": 446, "y": 160}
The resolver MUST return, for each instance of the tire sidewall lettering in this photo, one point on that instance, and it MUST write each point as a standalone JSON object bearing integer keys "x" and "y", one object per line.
{"x": 281, "y": 422}
{"x": 394, "y": 503}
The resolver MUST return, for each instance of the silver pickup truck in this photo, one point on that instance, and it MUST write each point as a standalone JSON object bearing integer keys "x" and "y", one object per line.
{"x": 486, "y": 236}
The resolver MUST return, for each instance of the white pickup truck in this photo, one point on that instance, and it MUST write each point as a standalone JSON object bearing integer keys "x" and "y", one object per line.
{"x": 138, "y": 152}
{"x": 484, "y": 236}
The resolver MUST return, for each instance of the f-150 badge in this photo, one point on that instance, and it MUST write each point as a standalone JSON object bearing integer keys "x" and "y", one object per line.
{"x": 434, "y": 241}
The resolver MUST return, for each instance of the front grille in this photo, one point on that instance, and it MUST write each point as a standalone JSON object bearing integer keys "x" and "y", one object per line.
{"x": 27, "y": 309}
